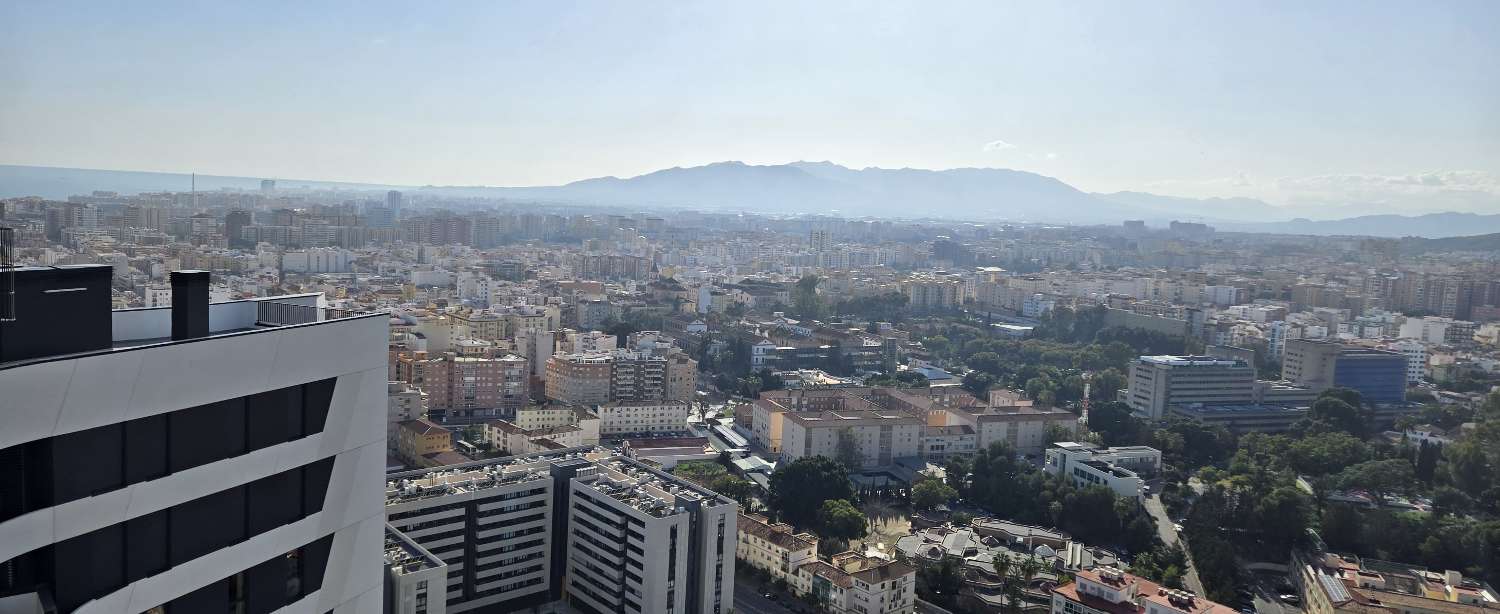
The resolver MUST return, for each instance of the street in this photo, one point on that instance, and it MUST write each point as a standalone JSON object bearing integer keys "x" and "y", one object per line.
{"x": 1168, "y": 534}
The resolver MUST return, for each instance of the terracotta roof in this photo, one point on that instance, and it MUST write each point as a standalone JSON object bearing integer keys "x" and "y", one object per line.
{"x": 779, "y": 534}
{"x": 422, "y": 426}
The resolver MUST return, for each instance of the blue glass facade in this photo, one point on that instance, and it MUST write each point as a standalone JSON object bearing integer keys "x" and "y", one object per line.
{"x": 1379, "y": 376}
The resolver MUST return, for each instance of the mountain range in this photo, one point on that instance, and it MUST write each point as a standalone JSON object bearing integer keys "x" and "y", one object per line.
{"x": 982, "y": 194}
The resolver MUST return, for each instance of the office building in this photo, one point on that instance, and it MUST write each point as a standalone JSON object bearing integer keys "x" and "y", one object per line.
{"x": 199, "y": 458}
{"x": 1121, "y": 469}
{"x": 1158, "y": 382}
{"x": 598, "y": 531}
{"x": 1380, "y": 376}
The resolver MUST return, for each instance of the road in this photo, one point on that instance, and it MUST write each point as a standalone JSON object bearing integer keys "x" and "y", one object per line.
{"x": 747, "y": 601}
{"x": 1169, "y": 535}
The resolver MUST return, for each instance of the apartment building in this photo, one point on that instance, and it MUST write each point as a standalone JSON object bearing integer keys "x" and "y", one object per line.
{"x": 776, "y": 548}
{"x": 197, "y": 458}
{"x": 1158, "y": 382}
{"x": 876, "y": 437}
{"x": 851, "y": 583}
{"x": 925, "y": 292}
{"x": 468, "y": 386}
{"x": 403, "y": 402}
{"x": 642, "y": 417}
{"x": 1335, "y": 584}
{"x": 423, "y": 443}
{"x": 1107, "y": 590}
{"x": 413, "y": 576}
{"x": 592, "y": 378}
{"x": 598, "y": 531}
{"x": 1121, "y": 469}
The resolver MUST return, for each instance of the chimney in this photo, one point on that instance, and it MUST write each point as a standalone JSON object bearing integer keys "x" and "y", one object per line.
{"x": 189, "y": 305}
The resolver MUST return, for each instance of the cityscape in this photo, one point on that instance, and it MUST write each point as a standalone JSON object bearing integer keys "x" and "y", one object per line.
{"x": 958, "y": 385}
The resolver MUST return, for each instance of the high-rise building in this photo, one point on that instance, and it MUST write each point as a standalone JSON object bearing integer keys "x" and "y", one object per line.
{"x": 393, "y": 202}
{"x": 196, "y": 458}
{"x": 268, "y": 186}
{"x": 598, "y": 531}
{"x": 1158, "y": 382}
{"x": 234, "y": 225}
{"x": 468, "y": 386}
{"x": 621, "y": 375}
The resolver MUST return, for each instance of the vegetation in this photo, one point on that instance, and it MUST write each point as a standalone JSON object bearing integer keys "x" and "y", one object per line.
{"x": 839, "y": 519}
{"x": 799, "y": 489}
{"x": 1017, "y": 490}
{"x": 930, "y": 492}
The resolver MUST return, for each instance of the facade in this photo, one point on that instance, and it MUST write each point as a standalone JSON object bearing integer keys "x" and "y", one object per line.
{"x": 1158, "y": 382}
{"x": 468, "y": 386}
{"x": 1379, "y": 376}
{"x": 413, "y": 577}
{"x": 403, "y": 403}
{"x": 851, "y": 583}
{"x": 195, "y": 458}
{"x": 642, "y": 417}
{"x": 876, "y": 438}
{"x": 775, "y": 547}
{"x": 1120, "y": 469}
{"x": 600, "y": 532}
{"x": 591, "y": 378}
{"x": 1310, "y": 363}
{"x": 420, "y": 442}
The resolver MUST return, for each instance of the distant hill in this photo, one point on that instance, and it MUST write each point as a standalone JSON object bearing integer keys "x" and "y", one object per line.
{"x": 1477, "y": 243}
{"x": 827, "y": 188}
{"x": 1431, "y": 225}
{"x": 1208, "y": 209}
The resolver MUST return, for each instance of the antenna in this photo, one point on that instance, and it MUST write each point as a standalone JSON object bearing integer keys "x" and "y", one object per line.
{"x": 7, "y": 275}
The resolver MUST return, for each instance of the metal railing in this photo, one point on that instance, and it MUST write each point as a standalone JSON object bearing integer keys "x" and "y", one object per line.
{"x": 272, "y": 313}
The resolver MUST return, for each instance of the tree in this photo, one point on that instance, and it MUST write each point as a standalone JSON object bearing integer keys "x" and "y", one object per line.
{"x": 1325, "y": 453}
{"x": 799, "y": 488}
{"x": 1117, "y": 424}
{"x": 805, "y": 297}
{"x": 1380, "y": 478}
{"x": 1054, "y": 433}
{"x": 1281, "y": 517}
{"x": 930, "y": 493}
{"x": 978, "y": 383}
{"x": 847, "y": 451}
{"x": 1331, "y": 413}
{"x": 839, "y": 519}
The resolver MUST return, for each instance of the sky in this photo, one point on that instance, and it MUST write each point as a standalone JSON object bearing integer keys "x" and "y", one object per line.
{"x": 1346, "y": 103}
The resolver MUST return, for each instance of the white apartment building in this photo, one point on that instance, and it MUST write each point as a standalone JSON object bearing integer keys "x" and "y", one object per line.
{"x": 776, "y": 548}
{"x": 600, "y": 532}
{"x": 413, "y": 577}
{"x": 1121, "y": 469}
{"x": 198, "y": 458}
{"x": 642, "y": 417}
{"x": 878, "y": 438}
{"x": 1416, "y": 358}
{"x": 852, "y": 583}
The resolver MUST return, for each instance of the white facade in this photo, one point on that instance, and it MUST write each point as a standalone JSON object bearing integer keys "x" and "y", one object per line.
{"x": 1416, "y": 358}
{"x": 589, "y": 528}
{"x": 76, "y": 401}
{"x": 1120, "y": 469}
{"x": 629, "y": 417}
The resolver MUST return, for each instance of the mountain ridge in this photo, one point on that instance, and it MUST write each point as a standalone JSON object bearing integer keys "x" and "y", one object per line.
{"x": 979, "y": 194}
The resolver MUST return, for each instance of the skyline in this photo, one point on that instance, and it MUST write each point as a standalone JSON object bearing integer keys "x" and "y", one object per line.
{"x": 1291, "y": 104}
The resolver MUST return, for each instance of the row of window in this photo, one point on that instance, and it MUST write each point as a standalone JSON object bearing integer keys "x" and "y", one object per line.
{"x": 100, "y": 562}
{"x": 56, "y": 470}
{"x": 261, "y": 589}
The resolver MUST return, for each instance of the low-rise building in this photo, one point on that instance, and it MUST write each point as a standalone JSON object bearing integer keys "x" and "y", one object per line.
{"x": 852, "y": 583}
{"x": 776, "y": 548}
{"x": 1107, "y": 590}
{"x": 1120, "y": 469}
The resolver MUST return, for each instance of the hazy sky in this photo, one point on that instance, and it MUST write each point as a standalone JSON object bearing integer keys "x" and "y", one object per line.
{"x": 1393, "y": 102}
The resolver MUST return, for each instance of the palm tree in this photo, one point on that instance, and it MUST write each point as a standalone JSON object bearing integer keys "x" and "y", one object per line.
{"x": 1002, "y": 565}
{"x": 1030, "y": 568}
